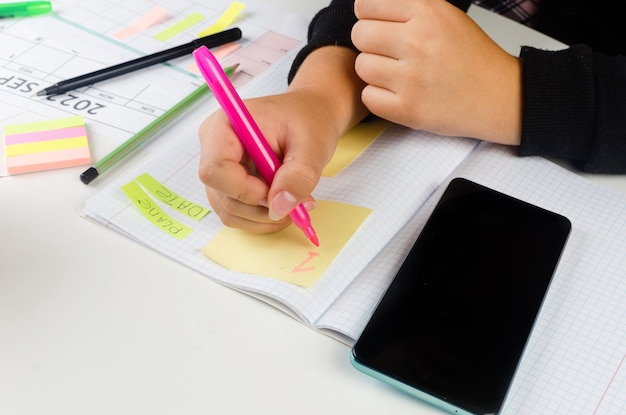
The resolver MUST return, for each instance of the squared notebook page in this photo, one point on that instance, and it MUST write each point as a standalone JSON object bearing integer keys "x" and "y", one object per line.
{"x": 353, "y": 310}
{"x": 575, "y": 359}
{"x": 384, "y": 178}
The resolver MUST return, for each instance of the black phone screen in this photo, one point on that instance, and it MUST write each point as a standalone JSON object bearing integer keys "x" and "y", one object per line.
{"x": 455, "y": 320}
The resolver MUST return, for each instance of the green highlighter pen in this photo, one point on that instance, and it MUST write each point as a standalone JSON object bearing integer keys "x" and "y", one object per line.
{"x": 24, "y": 8}
{"x": 150, "y": 130}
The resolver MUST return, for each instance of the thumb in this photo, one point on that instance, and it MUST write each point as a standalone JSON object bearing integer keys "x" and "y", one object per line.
{"x": 296, "y": 178}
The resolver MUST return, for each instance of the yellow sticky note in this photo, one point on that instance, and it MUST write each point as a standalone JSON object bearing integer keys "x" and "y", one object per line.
{"x": 151, "y": 211}
{"x": 45, "y": 146}
{"x": 170, "y": 198}
{"x": 288, "y": 255}
{"x": 353, "y": 143}
{"x": 225, "y": 20}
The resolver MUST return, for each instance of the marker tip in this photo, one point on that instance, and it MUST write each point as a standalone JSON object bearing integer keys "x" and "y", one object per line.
{"x": 314, "y": 239}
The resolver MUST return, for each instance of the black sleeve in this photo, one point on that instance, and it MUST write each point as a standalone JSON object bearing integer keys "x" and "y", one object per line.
{"x": 575, "y": 107}
{"x": 331, "y": 26}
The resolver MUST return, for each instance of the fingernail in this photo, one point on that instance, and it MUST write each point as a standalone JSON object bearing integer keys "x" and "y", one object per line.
{"x": 282, "y": 205}
{"x": 309, "y": 205}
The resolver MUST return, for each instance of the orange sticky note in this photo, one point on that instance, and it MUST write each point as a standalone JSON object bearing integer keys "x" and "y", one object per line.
{"x": 154, "y": 16}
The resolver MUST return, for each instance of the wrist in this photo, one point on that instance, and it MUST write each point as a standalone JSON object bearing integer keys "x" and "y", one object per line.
{"x": 506, "y": 126}
{"x": 328, "y": 76}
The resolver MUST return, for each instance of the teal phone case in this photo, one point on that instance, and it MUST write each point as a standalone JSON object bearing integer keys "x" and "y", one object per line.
{"x": 432, "y": 400}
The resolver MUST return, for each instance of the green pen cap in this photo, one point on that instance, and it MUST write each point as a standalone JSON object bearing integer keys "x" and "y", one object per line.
{"x": 24, "y": 8}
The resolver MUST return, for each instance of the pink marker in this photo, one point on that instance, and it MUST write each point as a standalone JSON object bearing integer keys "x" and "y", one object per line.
{"x": 247, "y": 130}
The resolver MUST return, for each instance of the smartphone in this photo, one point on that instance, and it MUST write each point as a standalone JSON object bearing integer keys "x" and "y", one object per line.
{"x": 453, "y": 324}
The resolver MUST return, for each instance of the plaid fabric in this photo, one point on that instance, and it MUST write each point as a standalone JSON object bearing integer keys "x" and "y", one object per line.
{"x": 521, "y": 11}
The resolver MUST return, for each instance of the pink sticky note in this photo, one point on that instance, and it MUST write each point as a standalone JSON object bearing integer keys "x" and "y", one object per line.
{"x": 154, "y": 16}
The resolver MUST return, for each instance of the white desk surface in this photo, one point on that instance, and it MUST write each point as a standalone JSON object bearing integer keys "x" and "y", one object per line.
{"x": 93, "y": 323}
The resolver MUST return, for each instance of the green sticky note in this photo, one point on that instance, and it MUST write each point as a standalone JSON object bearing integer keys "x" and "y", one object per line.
{"x": 180, "y": 26}
{"x": 39, "y": 126}
{"x": 170, "y": 198}
{"x": 151, "y": 211}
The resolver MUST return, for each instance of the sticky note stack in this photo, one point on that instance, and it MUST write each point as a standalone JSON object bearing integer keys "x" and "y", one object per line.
{"x": 46, "y": 145}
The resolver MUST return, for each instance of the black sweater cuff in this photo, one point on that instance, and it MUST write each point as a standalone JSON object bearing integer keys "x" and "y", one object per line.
{"x": 559, "y": 102}
{"x": 331, "y": 26}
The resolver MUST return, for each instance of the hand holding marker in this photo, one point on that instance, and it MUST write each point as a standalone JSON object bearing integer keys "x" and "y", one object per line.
{"x": 247, "y": 130}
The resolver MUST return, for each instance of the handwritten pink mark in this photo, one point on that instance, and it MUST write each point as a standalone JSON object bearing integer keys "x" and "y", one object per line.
{"x": 156, "y": 15}
{"x": 300, "y": 267}
{"x": 609, "y": 385}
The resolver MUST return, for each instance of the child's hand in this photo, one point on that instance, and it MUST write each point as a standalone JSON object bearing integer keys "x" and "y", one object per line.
{"x": 429, "y": 66}
{"x": 295, "y": 129}
{"x": 302, "y": 125}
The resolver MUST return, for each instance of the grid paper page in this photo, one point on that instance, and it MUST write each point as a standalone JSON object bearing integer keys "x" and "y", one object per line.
{"x": 384, "y": 178}
{"x": 575, "y": 361}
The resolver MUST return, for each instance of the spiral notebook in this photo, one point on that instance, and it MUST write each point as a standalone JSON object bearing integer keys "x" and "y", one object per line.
{"x": 574, "y": 362}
